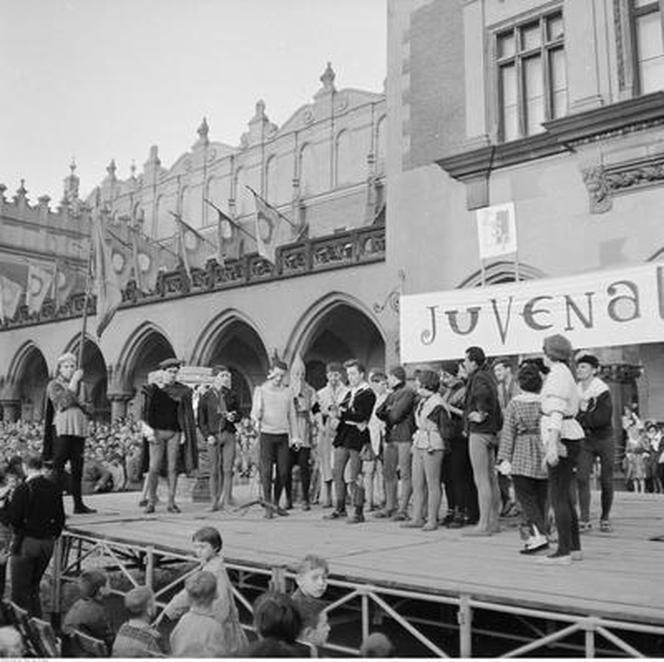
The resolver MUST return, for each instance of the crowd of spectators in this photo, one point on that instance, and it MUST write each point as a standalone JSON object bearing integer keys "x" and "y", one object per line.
{"x": 113, "y": 451}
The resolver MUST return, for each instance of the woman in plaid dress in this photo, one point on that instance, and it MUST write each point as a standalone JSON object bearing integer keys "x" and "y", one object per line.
{"x": 521, "y": 454}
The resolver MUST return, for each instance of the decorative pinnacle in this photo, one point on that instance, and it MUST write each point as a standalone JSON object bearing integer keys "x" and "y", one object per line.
{"x": 111, "y": 168}
{"x": 132, "y": 169}
{"x": 203, "y": 129}
{"x": 328, "y": 77}
{"x": 21, "y": 190}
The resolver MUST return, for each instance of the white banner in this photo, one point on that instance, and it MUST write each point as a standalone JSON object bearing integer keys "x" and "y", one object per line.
{"x": 598, "y": 309}
{"x": 496, "y": 230}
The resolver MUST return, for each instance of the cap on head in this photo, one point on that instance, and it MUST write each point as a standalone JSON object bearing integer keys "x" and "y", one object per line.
{"x": 218, "y": 369}
{"x": 67, "y": 356}
{"x": 589, "y": 359}
{"x": 558, "y": 348}
{"x": 170, "y": 363}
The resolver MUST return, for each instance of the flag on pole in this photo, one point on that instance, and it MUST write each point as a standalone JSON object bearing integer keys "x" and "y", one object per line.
{"x": 39, "y": 283}
{"x": 68, "y": 278}
{"x": 121, "y": 252}
{"x": 270, "y": 226}
{"x": 149, "y": 258}
{"x": 106, "y": 280}
{"x": 496, "y": 230}
{"x": 193, "y": 247}
{"x": 10, "y": 297}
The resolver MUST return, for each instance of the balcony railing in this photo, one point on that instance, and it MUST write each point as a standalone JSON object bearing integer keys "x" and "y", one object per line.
{"x": 353, "y": 247}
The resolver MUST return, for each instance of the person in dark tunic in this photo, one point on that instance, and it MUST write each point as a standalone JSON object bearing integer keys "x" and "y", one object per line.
{"x": 168, "y": 421}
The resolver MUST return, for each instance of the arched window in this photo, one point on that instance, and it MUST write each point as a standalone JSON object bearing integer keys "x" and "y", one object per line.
{"x": 308, "y": 170}
{"x": 381, "y": 145}
{"x": 344, "y": 168}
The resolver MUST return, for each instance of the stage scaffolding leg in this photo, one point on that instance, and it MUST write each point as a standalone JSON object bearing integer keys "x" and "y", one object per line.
{"x": 365, "y": 616}
{"x": 465, "y": 619}
{"x": 590, "y": 640}
{"x": 56, "y": 593}
{"x": 149, "y": 568}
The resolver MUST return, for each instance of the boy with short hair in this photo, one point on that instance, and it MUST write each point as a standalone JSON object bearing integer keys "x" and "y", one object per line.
{"x": 311, "y": 578}
{"x": 136, "y": 638}
{"x": 88, "y": 613}
{"x": 199, "y": 633}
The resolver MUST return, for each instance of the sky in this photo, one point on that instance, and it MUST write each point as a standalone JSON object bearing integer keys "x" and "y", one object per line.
{"x": 96, "y": 80}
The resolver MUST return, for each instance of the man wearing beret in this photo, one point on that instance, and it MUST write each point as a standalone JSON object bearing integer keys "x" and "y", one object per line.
{"x": 218, "y": 412}
{"x": 168, "y": 419}
{"x": 596, "y": 416}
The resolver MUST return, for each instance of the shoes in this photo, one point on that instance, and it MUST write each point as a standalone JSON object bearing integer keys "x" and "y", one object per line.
{"x": 431, "y": 526}
{"x": 213, "y": 508}
{"x": 556, "y": 559}
{"x": 306, "y": 506}
{"x": 142, "y": 503}
{"x": 355, "y": 518}
{"x": 83, "y": 510}
{"x": 335, "y": 514}
{"x": 457, "y": 523}
{"x": 605, "y": 526}
{"x": 448, "y": 519}
{"x": 577, "y": 555}
{"x": 149, "y": 509}
{"x": 415, "y": 524}
{"x": 383, "y": 514}
{"x": 281, "y": 512}
{"x": 584, "y": 527}
{"x": 269, "y": 514}
{"x": 535, "y": 544}
{"x": 400, "y": 517}
{"x": 289, "y": 505}
{"x": 173, "y": 508}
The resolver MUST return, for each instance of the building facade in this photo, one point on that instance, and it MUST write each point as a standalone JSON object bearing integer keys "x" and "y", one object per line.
{"x": 325, "y": 299}
{"x": 556, "y": 106}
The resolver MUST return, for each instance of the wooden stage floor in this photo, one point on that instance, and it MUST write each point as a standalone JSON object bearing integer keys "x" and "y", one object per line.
{"x": 620, "y": 577}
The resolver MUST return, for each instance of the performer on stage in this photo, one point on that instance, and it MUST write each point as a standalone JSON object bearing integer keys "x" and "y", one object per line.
{"x": 218, "y": 412}
{"x": 327, "y": 410}
{"x": 168, "y": 420}
{"x": 67, "y": 413}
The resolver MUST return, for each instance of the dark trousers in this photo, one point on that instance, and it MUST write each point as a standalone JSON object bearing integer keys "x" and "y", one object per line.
{"x": 221, "y": 457}
{"x": 27, "y": 569}
{"x": 341, "y": 458}
{"x": 465, "y": 492}
{"x": 299, "y": 457}
{"x": 3, "y": 578}
{"x": 589, "y": 450}
{"x": 532, "y": 494}
{"x": 273, "y": 450}
{"x": 560, "y": 481}
{"x": 504, "y": 487}
{"x": 67, "y": 448}
{"x": 447, "y": 477}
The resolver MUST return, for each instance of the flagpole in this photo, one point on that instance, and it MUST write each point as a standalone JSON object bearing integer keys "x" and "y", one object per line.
{"x": 231, "y": 221}
{"x": 285, "y": 218}
{"x": 86, "y": 299}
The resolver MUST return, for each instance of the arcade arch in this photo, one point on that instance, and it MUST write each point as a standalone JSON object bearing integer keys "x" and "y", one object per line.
{"x": 144, "y": 350}
{"x": 95, "y": 376}
{"x": 29, "y": 374}
{"x": 233, "y": 341}
{"x": 337, "y": 328}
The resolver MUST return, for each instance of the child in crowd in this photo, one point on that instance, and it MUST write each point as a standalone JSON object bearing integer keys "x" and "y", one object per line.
{"x": 377, "y": 645}
{"x": 278, "y": 623}
{"x": 372, "y": 463}
{"x": 199, "y": 633}
{"x": 11, "y": 644}
{"x": 88, "y": 613}
{"x": 207, "y": 545}
{"x": 136, "y": 638}
{"x": 311, "y": 578}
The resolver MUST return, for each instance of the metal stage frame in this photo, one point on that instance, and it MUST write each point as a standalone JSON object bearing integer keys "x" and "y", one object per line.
{"x": 462, "y": 619}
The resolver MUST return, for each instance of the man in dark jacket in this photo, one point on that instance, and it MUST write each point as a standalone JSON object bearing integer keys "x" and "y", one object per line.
{"x": 483, "y": 420}
{"x": 218, "y": 411}
{"x": 397, "y": 413}
{"x": 596, "y": 416}
{"x": 352, "y": 435}
{"x": 37, "y": 515}
{"x": 168, "y": 418}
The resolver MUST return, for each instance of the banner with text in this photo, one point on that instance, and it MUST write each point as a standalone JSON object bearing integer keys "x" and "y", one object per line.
{"x": 598, "y": 309}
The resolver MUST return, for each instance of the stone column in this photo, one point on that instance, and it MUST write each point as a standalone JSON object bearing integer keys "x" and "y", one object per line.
{"x": 119, "y": 402}
{"x": 11, "y": 410}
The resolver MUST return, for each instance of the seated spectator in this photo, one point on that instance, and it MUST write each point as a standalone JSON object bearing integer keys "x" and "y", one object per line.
{"x": 117, "y": 471}
{"x": 199, "y": 633}
{"x": 377, "y": 645}
{"x": 136, "y": 638}
{"x": 311, "y": 578}
{"x": 96, "y": 477}
{"x": 11, "y": 643}
{"x": 88, "y": 613}
{"x": 278, "y": 623}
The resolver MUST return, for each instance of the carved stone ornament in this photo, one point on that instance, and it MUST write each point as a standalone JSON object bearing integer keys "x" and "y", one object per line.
{"x": 604, "y": 183}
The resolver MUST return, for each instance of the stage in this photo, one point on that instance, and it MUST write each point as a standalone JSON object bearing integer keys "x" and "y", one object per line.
{"x": 618, "y": 582}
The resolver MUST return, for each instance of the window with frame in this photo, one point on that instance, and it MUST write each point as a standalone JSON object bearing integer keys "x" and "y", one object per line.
{"x": 648, "y": 36}
{"x": 532, "y": 75}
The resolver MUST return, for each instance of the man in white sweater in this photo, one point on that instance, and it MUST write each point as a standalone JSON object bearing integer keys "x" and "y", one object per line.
{"x": 273, "y": 414}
